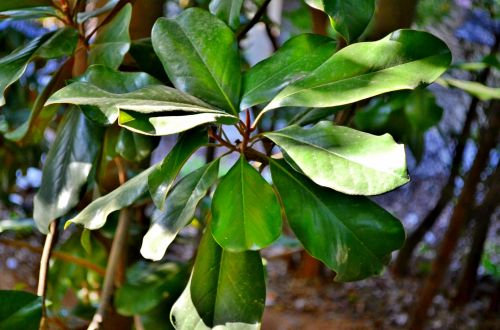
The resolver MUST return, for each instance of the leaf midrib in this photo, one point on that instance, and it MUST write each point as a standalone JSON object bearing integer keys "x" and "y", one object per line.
{"x": 332, "y": 152}
{"x": 320, "y": 202}
{"x": 235, "y": 112}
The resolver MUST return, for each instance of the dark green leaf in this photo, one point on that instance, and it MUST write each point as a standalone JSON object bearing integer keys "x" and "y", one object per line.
{"x": 294, "y": 60}
{"x": 228, "y": 11}
{"x": 62, "y": 43}
{"x": 20, "y": 310}
{"x": 113, "y": 40}
{"x": 148, "y": 100}
{"x": 227, "y": 290}
{"x": 179, "y": 211}
{"x": 403, "y": 60}
{"x": 147, "y": 285}
{"x": 348, "y": 18}
{"x": 95, "y": 214}
{"x": 161, "y": 180}
{"x": 350, "y": 234}
{"x": 313, "y": 115}
{"x": 66, "y": 168}
{"x": 200, "y": 55}
{"x": 134, "y": 147}
{"x": 144, "y": 55}
{"x": 32, "y": 130}
{"x": 13, "y": 65}
{"x": 19, "y": 4}
{"x": 245, "y": 210}
{"x": 344, "y": 159}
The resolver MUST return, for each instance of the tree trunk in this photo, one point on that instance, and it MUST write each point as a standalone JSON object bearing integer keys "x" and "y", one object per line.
{"x": 405, "y": 255}
{"x": 483, "y": 218}
{"x": 488, "y": 139}
{"x": 391, "y": 15}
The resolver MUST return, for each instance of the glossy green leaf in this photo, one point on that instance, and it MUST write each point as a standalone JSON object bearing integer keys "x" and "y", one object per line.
{"x": 62, "y": 43}
{"x": 294, "y": 60}
{"x": 404, "y": 59}
{"x": 112, "y": 41}
{"x": 134, "y": 147}
{"x": 350, "y": 234}
{"x": 228, "y": 11}
{"x": 19, "y": 4}
{"x": 148, "y": 100}
{"x": 245, "y": 210}
{"x": 200, "y": 55}
{"x": 66, "y": 168}
{"x": 348, "y": 18}
{"x": 20, "y": 310}
{"x": 158, "y": 125}
{"x": 13, "y": 65}
{"x": 179, "y": 210}
{"x": 344, "y": 159}
{"x": 161, "y": 180}
{"x": 112, "y": 81}
{"x": 147, "y": 285}
{"x": 481, "y": 91}
{"x": 95, "y": 214}
{"x": 226, "y": 291}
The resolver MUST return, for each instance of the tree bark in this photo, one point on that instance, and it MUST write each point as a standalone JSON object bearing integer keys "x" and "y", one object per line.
{"x": 391, "y": 15}
{"x": 488, "y": 139}
{"x": 483, "y": 218}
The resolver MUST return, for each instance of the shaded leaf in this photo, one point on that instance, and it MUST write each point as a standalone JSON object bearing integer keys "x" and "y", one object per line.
{"x": 108, "y": 6}
{"x": 29, "y": 13}
{"x": 226, "y": 291}
{"x": 66, "y": 168}
{"x": 228, "y": 11}
{"x": 95, "y": 214}
{"x": 404, "y": 59}
{"x": 245, "y": 210}
{"x": 161, "y": 180}
{"x": 144, "y": 55}
{"x": 294, "y": 60}
{"x": 61, "y": 43}
{"x": 200, "y": 55}
{"x": 344, "y": 159}
{"x": 179, "y": 210}
{"x": 112, "y": 41}
{"x": 20, "y": 310}
{"x": 134, "y": 147}
{"x": 350, "y": 234}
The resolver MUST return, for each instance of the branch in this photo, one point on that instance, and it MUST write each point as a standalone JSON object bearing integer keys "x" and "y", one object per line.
{"x": 44, "y": 271}
{"x": 255, "y": 19}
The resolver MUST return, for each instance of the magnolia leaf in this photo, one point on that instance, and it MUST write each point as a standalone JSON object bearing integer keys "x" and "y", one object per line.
{"x": 344, "y": 159}
{"x": 200, "y": 55}
{"x": 20, "y": 4}
{"x": 481, "y": 91}
{"x": 113, "y": 40}
{"x": 349, "y": 234}
{"x": 294, "y": 60}
{"x": 227, "y": 290}
{"x": 20, "y": 310}
{"x": 94, "y": 216}
{"x": 161, "y": 180}
{"x": 405, "y": 59}
{"x": 179, "y": 211}
{"x": 228, "y": 11}
{"x": 66, "y": 168}
{"x": 245, "y": 210}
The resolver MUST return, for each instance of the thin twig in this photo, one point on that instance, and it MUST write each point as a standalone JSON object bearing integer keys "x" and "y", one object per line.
{"x": 114, "y": 259}
{"x": 44, "y": 270}
{"x": 255, "y": 19}
{"x": 56, "y": 255}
